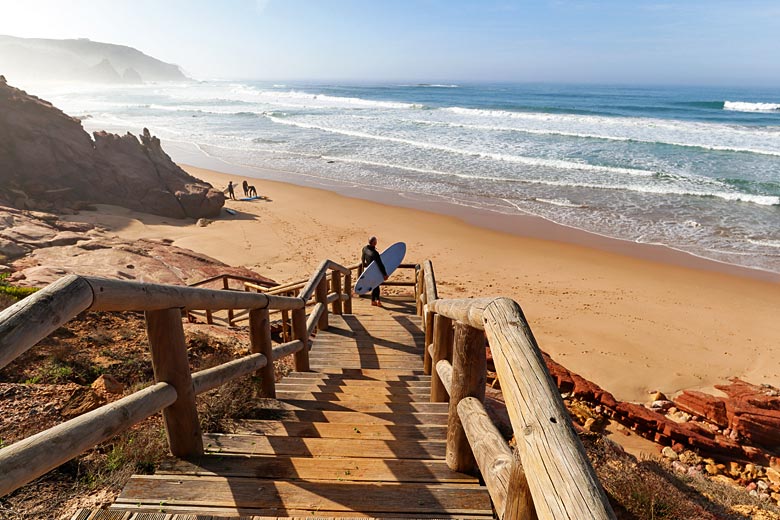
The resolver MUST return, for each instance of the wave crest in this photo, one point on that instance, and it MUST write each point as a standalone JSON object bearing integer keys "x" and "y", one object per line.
{"x": 744, "y": 106}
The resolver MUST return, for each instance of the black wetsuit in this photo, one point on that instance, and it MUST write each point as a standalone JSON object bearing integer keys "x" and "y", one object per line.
{"x": 370, "y": 254}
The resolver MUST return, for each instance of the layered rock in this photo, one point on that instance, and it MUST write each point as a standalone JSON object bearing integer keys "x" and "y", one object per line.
{"x": 41, "y": 248}
{"x": 48, "y": 162}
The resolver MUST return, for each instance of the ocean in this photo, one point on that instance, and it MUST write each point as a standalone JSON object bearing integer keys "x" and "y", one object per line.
{"x": 696, "y": 169}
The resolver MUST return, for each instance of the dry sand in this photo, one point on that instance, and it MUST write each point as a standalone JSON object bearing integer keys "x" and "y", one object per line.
{"x": 630, "y": 319}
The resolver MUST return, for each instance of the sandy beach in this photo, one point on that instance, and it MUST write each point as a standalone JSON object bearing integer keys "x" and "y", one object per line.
{"x": 631, "y": 320}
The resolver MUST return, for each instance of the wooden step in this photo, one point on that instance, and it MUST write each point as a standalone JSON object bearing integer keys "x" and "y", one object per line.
{"x": 324, "y": 379}
{"x": 350, "y": 399}
{"x": 353, "y": 406}
{"x": 376, "y": 389}
{"x": 146, "y": 512}
{"x": 305, "y": 468}
{"x": 316, "y": 447}
{"x": 344, "y": 431}
{"x": 378, "y": 375}
{"x": 162, "y": 491}
{"x": 352, "y": 417}
{"x": 322, "y": 364}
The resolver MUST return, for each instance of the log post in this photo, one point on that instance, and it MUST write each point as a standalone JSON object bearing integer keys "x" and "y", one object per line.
{"x": 260, "y": 340}
{"x": 169, "y": 360}
{"x": 442, "y": 349}
{"x": 285, "y": 326}
{"x": 428, "y": 341}
{"x": 468, "y": 380}
{"x": 336, "y": 281}
{"x": 300, "y": 333}
{"x": 519, "y": 503}
{"x": 209, "y": 317}
{"x": 348, "y": 292}
{"x": 226, "y": 286}
{"x": 321, "y": 295}
{"x": 420, "y": 292}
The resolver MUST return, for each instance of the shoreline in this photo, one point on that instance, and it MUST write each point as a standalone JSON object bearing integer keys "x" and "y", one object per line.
{"x": 521, "y": 225}
{"x": 631, "y": 325}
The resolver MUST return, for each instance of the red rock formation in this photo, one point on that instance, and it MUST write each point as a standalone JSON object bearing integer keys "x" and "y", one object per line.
{"x": 48, "y": 162}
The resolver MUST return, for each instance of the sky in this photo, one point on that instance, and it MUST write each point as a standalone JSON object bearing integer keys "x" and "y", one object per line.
{"x": 712, "y": 42}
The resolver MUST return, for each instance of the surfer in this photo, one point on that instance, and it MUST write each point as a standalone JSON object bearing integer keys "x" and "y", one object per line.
{"x": 245, "y": 185}
{"x": 231, "y": 191}
{"x": 370, "y": 254}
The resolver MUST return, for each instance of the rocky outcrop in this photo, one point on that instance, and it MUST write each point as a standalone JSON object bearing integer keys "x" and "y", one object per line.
{"x": 40, "y": 248}
{"x": 48, "y": 162}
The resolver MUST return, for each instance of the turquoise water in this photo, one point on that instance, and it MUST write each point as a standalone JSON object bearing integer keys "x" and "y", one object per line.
{"x": 697, "y": 169}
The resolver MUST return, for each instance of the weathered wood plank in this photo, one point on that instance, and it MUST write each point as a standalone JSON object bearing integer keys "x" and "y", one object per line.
{"x": 352, "y": 417}
{"x": 162, "y": 491}
{"x": 347, "y": 383}
{"x": 306, "y": 468}
{"x": 318, "y": 447}
{"x": 376, "y": 389}
{"x": 350, "y": 399}
{"x": 355, "y": 406}
{"x": 344, "y": 431}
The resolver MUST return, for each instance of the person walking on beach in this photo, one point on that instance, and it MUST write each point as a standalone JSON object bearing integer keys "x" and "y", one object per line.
{"x": 370, "y": 254}
{"x": 231, "y": 191}
{"x": 245, "y": 185}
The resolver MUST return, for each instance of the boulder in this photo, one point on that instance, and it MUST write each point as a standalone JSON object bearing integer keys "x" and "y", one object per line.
{"x": 51, "y": 163}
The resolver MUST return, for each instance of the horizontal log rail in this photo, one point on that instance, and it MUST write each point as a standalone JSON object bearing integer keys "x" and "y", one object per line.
{"x": 226, "y": 278}
{"x": 549, "y": 475}
{"x": 27, "y": 322}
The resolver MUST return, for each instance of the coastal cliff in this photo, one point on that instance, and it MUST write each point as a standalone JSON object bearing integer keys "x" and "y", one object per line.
{"x": 49, "y": 162}
{"x": 41, "y": 59}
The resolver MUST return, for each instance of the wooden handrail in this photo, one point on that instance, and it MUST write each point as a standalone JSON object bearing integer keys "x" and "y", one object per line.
{"x": 561, "y": 482}
{"x": 27, "y": 322}
{"x": 29, "y": 458}
{"x": 238, "y": 278}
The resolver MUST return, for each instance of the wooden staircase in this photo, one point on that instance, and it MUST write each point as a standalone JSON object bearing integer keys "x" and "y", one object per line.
{"x": 354, "y": 437}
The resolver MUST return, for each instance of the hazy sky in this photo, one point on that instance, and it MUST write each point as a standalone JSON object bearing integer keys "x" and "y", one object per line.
{"x": 624, "y": 41}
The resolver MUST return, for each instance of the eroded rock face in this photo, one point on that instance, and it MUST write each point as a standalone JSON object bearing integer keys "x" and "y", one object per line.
{"x": 42, "y": 248}
{"x": 48, "y": 162}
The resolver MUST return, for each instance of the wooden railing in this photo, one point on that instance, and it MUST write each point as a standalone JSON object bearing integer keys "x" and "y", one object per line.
{"x": 549, "y": 475}
{"x": 325, "y": 288}
{"x": 27, "y": 322}
{"x": 224, "y": 280}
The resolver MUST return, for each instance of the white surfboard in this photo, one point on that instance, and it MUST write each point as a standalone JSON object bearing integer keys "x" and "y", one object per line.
{"x": 372, "y": 276}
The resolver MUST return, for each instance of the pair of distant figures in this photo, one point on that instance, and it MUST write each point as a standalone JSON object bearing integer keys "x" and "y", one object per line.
{"x": 249, "y": 191}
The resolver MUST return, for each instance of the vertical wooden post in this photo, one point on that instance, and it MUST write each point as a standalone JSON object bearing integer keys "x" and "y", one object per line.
{"x": 321, "y": 295}
{"x": 169, "y": 360}
{"x": 519, "y": 503}
{"x": 226, "y": 286}
{"x": 348, "y": 292}
{"x": 468, "y": 380}
{"x": 420, "y": 291}
{"x": 428, "y": 316}
{"x": 260, "y": 340}
{"x": 337, "y": 289}
{"x": 300, "y": 332}
{"x": 442, "y": 349}
{"x": 285, "y": 326}
{"x": 209, "y": 317}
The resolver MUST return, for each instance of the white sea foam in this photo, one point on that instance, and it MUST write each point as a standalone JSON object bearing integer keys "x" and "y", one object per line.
{"x": 529, "y": 161}
{"x": 564, "y": 203}
{"x": 765, "y": 243}
{"x": 744, "y": 106}
{"x": 306, "y": 99}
